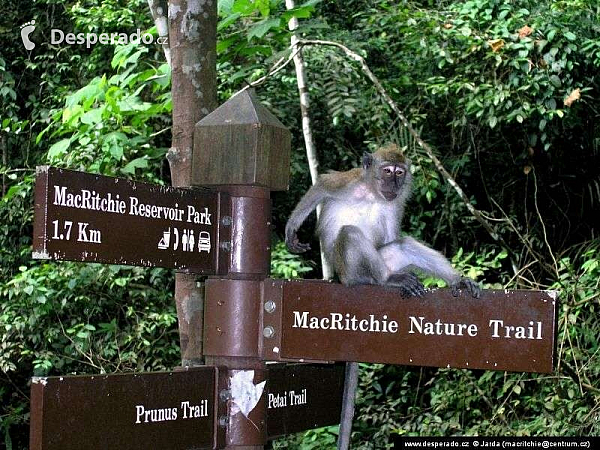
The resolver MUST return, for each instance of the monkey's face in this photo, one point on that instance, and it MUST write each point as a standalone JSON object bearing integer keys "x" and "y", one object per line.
{"x": 391, "y": 179}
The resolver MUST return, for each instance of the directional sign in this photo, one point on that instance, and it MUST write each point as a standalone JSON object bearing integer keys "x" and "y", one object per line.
{"x": 173, "y": 410}
{"x": 503, "y": 330}
{"x": 93, "y": 218}
{"x": 303, "y": 396}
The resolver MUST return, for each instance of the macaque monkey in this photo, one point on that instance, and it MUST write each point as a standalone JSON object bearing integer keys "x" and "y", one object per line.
{"x": 359, "y": 227}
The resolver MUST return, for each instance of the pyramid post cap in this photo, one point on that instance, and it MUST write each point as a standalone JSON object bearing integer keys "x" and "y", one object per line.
{"x": 241, "y": 109}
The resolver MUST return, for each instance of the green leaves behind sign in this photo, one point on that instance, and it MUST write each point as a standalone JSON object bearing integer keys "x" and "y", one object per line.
{"x": 115, "y": 142}
{"x": 138, "y": 163}
{"x": 59, "y": 149}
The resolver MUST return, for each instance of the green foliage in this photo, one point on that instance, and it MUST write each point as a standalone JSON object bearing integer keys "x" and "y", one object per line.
{"x": 474, "y": 266}
{"x": 252, "y": 31}
{"x": 109, "y": 15}
{"x": 108, "y": 124}
{"x": 62, "y": 318}
{"x": 317, "y": 439}
{"x": 285, "y": 264}
{"x": 514, "y": 63}
{"x": 73, "y": 318}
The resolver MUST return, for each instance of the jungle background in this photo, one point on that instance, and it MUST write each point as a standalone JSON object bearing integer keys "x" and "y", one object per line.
{"x": 505, "y": 92}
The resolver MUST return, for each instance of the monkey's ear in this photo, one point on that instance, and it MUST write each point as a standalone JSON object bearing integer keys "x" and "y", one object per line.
{"x": 367, "y": 160}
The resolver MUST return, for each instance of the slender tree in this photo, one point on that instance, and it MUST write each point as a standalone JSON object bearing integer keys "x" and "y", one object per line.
{"x": 192, "y": 44}
{"x": 351, "y": 381}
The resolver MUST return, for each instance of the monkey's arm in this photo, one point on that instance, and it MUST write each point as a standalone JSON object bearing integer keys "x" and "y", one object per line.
{"x": 315, "y": 195}
{"x": 406, "y": 252}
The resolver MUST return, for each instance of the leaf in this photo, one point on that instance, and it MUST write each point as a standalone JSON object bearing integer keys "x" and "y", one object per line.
{"x": 244, "y": 7}
{"x": 570, "y": 36}
{"x": 115, "y": 136}
{"x": 116, "y": 151}
{"x": 228, "y": 21}
{"x": 12, "y": 191}
{"x": 573, "y": 96}
{"x": 225, "y": 6}
{"x": 263, "y": 6}
{"x": 525, "y": 31}
{"x": 261, "y": 28}
{"x": 59, "y": 148}
{"x": 496, "y": 44}
{"x": 138, "y": 163}
{"x": 71, "y": 113}
{"x": 224, "y": 44}
{"x": 93, "y": 116}
{"x": 302, "y": 11}
{"x": 90, "y": 91}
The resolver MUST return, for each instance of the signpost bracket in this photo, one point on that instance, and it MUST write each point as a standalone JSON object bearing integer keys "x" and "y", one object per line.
{"x": 231, "y": 316}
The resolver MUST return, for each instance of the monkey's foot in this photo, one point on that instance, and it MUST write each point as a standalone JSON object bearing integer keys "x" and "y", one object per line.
{"x": 470, "y": 285}
{"x": 408, "y": 283}
{"x": 295, "y": 246}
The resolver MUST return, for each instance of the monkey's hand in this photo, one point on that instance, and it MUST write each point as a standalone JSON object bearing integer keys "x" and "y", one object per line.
{"x": 470, "y": 285}
{"x": 408, "y": 282}
{"x": 293, "y": 243}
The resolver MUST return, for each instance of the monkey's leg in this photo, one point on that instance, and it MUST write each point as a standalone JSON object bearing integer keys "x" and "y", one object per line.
{"x": 356, "y": 260}
{"x": 406, "y": 252}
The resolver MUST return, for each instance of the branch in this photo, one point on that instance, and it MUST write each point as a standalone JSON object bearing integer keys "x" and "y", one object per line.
{"x": 279, "y": 65}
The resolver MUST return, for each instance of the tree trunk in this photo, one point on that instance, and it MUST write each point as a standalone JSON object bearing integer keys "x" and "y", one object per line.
{"x": 192, "y": 42}
{"x": 311, "y": 150}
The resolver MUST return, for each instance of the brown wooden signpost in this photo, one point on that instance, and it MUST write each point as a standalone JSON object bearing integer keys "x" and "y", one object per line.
{"x": 242, "y": 151}
{"x": 93, "y": 218}
{"x": 174, "y": 410}
{"x": 132, "y": 411}
{"x": 303, "y": 396}
{"x": 502, "y": 330}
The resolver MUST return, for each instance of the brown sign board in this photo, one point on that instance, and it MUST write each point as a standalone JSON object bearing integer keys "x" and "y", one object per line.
{"x": 321, "y": 321}
{"x": 94, "y": 218}
{"x": 303, "y": 396}
{"x": 173, "y": 410}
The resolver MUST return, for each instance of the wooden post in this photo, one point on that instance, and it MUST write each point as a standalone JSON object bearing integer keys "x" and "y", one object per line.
{"x": 193, "y": 44}
{"x": 246, "y": 154}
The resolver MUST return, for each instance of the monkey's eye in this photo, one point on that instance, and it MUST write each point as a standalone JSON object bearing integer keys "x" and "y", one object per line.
{"x": 399, "y": 172}
{"x": 387, "y": 171}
